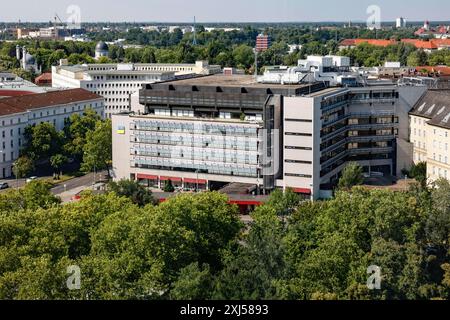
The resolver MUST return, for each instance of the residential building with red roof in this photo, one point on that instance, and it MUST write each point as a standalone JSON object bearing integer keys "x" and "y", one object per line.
{"x": 18, "y": 112}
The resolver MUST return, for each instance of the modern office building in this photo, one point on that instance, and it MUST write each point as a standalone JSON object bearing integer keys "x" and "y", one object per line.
{"x": 430, "y": 133}
{"x": 400, "y": 23}
{"x": 212, "y": 130}
{"x": 16, "y": 113}
{"x": 116, "y": 82}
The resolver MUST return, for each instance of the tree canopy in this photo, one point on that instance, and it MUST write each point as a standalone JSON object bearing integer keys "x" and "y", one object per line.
{"x": 195, "y": 247}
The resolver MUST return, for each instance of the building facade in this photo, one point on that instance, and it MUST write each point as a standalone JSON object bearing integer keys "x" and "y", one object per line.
{"x": 17, "y": 113}
{"x": 219, "y": 129}
{"x": 430, "y": 133}
{"x": 263, "y": 42}
{"x": 116, "y": 82}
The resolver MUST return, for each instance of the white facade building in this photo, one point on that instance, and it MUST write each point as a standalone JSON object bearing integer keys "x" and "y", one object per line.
{"x": 54, "y": 107}
{"x": 116, "y": 82}
{"x": 400, "y": 23}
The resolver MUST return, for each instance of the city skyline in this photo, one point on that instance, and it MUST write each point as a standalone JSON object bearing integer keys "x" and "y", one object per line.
{"x": 230, "y": 11}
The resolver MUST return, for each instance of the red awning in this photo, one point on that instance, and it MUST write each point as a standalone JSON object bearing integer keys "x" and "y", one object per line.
{"x": 147, "y": 176}
{"x": 302, "y": 190}
{"x": 170, "y": 178}
{"x": 200, "y": 181}
{"x": 246, "y": 202}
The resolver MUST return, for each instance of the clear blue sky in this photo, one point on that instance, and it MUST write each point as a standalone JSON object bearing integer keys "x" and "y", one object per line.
{"x": 224, "y": 10}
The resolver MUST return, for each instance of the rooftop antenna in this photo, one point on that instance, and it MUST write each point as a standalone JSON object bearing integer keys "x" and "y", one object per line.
{"x": 194, "y": 42}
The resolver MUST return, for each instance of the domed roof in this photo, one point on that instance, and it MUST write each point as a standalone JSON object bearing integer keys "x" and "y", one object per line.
{"x": 101, "y": 46}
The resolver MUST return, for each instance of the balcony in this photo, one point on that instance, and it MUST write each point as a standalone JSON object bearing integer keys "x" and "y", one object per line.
{"x": 334, "y": 106}
{"x": 374, "y": 100}
{"x": 368, "y": 126}
{"x": 371, "y": 150}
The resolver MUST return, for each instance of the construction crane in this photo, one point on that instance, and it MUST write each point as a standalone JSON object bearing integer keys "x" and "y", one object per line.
{"x": 56, "y": 24}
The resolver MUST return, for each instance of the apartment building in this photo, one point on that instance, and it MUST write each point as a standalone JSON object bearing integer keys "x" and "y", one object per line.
{"x": 213, "y": 130}
{"x": 430, "y": 133}
{"x": 263, "y": 42}
{"x": 16, "y": 113}
{"x": 116, "y": 82}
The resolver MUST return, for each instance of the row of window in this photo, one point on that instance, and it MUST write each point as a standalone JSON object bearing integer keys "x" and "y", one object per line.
{"x": 441, "y": 173}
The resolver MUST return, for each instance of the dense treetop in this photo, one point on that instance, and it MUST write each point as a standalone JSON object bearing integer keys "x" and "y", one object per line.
{"x": 195, "y": 247}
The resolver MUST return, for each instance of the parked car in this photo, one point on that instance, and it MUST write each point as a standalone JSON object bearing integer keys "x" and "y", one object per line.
{"x": 4, "y": 185}
{"x": 31, "y": 179}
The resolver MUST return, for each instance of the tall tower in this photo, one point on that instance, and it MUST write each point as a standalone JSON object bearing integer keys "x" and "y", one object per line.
{"x": 194, "y": 42}
{"x": 24, "y": 58}
{"x": 18, "y": 52}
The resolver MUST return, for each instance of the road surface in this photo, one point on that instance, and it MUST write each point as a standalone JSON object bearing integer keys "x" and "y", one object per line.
{"x": 75, "y": 183}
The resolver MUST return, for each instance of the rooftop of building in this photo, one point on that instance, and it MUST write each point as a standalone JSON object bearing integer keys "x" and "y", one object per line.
{"x": 41, "y": 100}
{"x": 435, "y": 106}
{"x": 418, "y": 43}
{"x": 221, "y": 80}
{"x": 440, "y": 70}
{"x": 127, "y": 72}
{"x": 11, "y": 85}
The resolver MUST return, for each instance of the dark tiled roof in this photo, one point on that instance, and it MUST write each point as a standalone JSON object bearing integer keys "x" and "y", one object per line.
{"x": 434, "y": 105}
{"x": 41, "y": 100}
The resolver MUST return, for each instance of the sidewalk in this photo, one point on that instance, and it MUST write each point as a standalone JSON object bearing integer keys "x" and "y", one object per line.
{"x": 67, "y": 196}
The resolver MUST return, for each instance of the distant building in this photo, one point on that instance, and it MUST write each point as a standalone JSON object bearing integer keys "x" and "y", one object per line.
{"x": 441, "y": 32}
{"x": 430, "y": 133}
{"x": 400, "y": 23}
{"x": 353, "y": 43}
{"x": 294, "y": 47}
{"x": 263, "y": 42}
{"x": 101, "y": 50}
{"x": 27, "y": 61}
{"x": 13, "y": 86}
{"x": 427, "y": 46}
{"x": 56, "y": 107}
{"x": 44, "y": 79}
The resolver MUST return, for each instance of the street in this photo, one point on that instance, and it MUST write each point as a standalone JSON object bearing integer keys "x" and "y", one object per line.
{"x": 67, "y": 187}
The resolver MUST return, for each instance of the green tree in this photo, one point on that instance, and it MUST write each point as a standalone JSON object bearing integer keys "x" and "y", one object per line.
{"x": 168, "y": 187}
{"x": 76, "y": 129}
{"x": 98, "y": 148}
{"x": 352, "y": 176}
{"x": 23, "y": 167}
{"x": 42, "y": 141}
{"x": 253, "y": 268}
{"x": 419, "y": 172}
{"x": 417, "y": 58}
{"x": 57, "y": 161}
{"x": 193, "y": 283}
{"x": 243, "y": 56}
{"x": 137, "y": 193}
{"x": 148, "y": 56}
